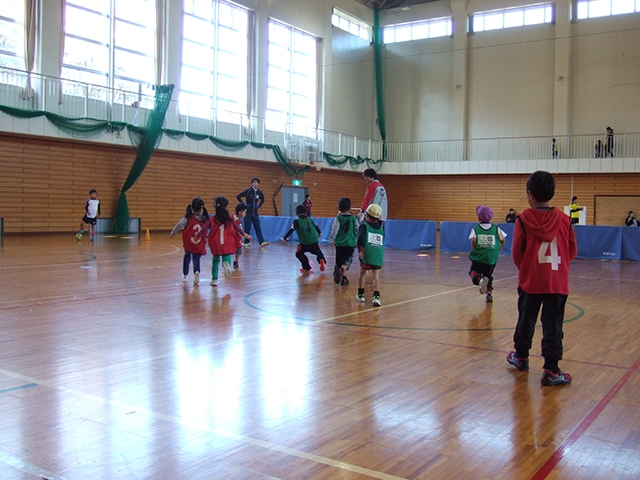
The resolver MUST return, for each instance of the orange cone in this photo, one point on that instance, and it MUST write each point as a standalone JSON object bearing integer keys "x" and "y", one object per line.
{"x": 147, "y": 236}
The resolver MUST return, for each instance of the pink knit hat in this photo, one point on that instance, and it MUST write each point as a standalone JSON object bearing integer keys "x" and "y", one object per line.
{"x": 485, "y": 214}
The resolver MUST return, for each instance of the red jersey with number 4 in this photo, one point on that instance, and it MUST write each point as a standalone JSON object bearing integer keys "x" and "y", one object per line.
{"x": 192, "y": 242}
{"x": 544, "y": 244}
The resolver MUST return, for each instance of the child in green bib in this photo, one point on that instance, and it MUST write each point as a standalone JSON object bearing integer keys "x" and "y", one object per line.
{"x": 370, "y": 244}
{"x": 308, "y": 235}
{"x": 487, "y": 241}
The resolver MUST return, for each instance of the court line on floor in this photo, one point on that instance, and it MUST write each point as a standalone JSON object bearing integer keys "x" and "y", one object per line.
{"x": 571, "y": 440}
{"x": 203, "y": 427}
{"x": 28, "y": 467}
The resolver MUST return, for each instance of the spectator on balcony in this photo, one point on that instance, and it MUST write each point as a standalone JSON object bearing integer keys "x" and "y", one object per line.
{"x": 598, "y": 148}
{"x": 608, "y": 148}
{"x": 554, "y": 148}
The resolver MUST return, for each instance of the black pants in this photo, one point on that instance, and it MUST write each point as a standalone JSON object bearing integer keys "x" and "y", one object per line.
{"x": 483, "y": 269}
{"x": 314, "y": 248}
{"x": 552, "y": 317}
{"x": 344, "y": 256}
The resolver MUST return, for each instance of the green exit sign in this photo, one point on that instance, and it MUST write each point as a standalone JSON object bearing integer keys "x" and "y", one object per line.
{"x": 296, "y": 182}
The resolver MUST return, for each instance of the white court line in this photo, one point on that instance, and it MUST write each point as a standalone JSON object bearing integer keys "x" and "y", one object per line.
{"x": 404, "y": 302}
{"x": 202, "y": 427}
{"x": 28, "y": 468}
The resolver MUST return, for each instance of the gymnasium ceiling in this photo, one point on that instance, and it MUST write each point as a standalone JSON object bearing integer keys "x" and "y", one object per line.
{"x": 390, "y": 4}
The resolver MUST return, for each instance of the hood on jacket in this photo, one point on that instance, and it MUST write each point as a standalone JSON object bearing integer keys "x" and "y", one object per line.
{"x": 543, "y": 224}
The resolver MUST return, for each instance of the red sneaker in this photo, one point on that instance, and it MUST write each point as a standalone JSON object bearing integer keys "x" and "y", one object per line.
{"x": 322, "y": 264}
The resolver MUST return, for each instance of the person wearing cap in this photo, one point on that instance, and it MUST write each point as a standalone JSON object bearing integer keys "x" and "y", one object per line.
{"x": 487, "y": 241}
{"x": 375, "y": 194}
{"x": 370, "y": 245}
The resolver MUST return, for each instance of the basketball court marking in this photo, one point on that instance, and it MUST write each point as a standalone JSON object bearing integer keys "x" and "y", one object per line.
{"x": 189, "y": 424}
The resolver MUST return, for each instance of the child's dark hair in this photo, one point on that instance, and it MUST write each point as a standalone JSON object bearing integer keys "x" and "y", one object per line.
{"x": 300, "y": 210}
{"x": 306, "y": 196}
{"x": 93, "y": 190}
{"x": 255, "y": 179}
{"x": 222, "y": 215}
{"x": 344, "y": 204}
{"x": 195, "y": 205}
{"x": 541, "y": 185}
{"x": 370, "y": 172}
{"x": 241, "y": 207}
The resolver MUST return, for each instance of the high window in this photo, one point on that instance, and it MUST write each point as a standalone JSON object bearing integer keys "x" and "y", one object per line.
{"x": 12, "y": 34}
{"x": 351, "y": 24}
{"x": 109, "y": 43}
{"x": 291, "y": 79}
{"x": 511, "y": 17}
{"x": 214, "y": 60}
{"x": 404, "y": 32}
{"x": 604, "y": 8}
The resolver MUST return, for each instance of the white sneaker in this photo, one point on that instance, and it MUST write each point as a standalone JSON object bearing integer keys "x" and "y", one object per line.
{"x": 227, "y": 270}
{"x": 484, "y": 283}
{"x": 184, "y": 278}
{"x": 196, "y": 278}
{"x": 214, "y": 282}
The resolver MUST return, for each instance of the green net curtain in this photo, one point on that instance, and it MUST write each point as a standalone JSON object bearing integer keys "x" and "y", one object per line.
{"x": 377, "y": 54}
{"x": 147, "y": 145}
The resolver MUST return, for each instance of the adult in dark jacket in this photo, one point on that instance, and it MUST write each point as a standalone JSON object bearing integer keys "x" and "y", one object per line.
{"x": 253, "y": 199}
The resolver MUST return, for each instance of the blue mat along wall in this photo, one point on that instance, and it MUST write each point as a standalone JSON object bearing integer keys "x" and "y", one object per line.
{"x": 596, "y": 242}
{"x": 399, "y": 234}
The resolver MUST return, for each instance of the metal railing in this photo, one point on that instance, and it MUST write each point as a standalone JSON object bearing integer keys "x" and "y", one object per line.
{"x": 80, "y": 100}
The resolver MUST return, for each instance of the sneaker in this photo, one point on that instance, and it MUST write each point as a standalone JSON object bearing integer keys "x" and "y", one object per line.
{"x": 196, "y": 278}
{"x": 376, "y": 301}
{"x": 227, "y": 270}
{"x": 302, "y": 270}
{"x": 93, "y": 237}
{"x": 247, "y": 245}
{"x": 235, "y": 265}
{"x": 337, "y": 274}
{"x": 264, "y": 244}
{"x": 322, "y": 265}
{"x": 214, "y": 282}
{"x": 550, "y": 379}
{"x": 521, "y": 364}
{"x": 344, "y": 281}
{"x": 489, "y": 297}
{"x": 475, "y": 278}
{"x": 484, "y": 283}
{"x": 184, "y": 278}
{"x": 360, "y": 297}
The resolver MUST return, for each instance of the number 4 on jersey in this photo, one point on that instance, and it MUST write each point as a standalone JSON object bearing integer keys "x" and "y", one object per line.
{"x": 553, "y": 258}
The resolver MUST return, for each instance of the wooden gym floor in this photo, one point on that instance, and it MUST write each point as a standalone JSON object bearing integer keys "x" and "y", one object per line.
{"x": 112, "y": 368}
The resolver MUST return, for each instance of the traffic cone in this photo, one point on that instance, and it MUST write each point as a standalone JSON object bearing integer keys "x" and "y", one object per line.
{"x": 147, "y": 236}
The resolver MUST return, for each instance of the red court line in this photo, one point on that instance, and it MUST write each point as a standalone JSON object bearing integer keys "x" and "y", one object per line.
{"x": 553, "y": 461}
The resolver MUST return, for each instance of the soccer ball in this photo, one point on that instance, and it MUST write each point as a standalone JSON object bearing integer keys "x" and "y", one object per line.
{"x": 78, "y": 236}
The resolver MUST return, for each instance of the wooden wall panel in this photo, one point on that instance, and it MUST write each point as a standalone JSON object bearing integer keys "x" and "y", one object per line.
{"x": 44, "y": 184}
{"x": 613, "y": 209}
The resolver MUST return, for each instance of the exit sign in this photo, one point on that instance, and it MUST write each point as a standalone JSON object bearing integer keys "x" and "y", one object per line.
{"x": 296, "y": 182}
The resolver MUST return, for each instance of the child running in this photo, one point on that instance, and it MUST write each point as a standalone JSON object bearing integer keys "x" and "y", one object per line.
{"x": 308, "y": 235}
{"x": 344, "y": 232}
{"x": 544, "y": 243}
{"x": 487, "y": 241}
{"x": 241, "y": 212}
{"x": 370, "y": 245}
{"x": 91, "y": 214}
{"x": 223, "y": 239}
{"x": 194, "y": 225}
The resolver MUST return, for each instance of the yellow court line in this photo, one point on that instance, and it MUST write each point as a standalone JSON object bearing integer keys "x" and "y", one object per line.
{"x": 203, "y": 427}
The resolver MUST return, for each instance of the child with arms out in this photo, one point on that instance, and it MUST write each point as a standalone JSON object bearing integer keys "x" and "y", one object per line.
{"x": 308, "y": 236}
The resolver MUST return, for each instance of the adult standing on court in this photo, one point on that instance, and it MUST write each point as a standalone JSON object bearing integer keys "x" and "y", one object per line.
{"x": 253, "y": 199}
{"x": 375, "y": 193}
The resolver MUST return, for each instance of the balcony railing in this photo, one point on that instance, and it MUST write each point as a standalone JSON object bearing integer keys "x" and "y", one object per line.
{"x": 79, "y": 100}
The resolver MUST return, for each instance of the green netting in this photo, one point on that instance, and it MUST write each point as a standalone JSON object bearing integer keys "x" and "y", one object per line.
{"x": 377, "y": 55}
{"x": 148, "y": 143}
{"x": 354, "y": 162}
